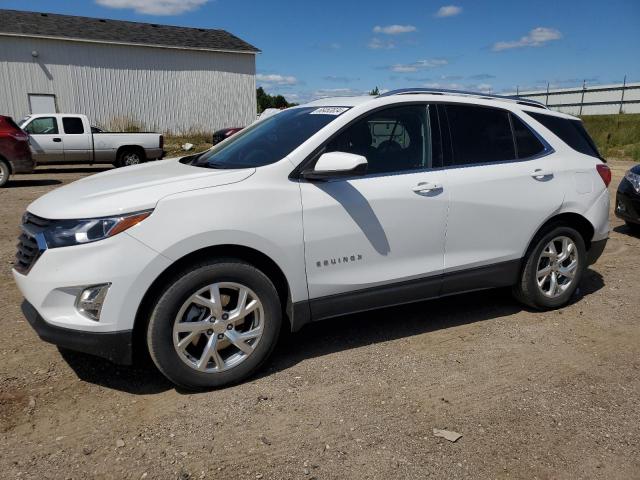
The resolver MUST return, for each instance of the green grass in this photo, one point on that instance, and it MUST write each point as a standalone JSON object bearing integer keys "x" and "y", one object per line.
{"x": 616, "y": 136}
{"x": 173, "y": 144}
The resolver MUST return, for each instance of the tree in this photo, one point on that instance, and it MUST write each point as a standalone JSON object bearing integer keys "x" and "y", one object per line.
{"x": 375, "y": 92}
{"x": 270, "y": 101}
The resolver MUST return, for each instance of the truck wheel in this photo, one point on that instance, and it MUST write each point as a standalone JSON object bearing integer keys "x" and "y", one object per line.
{"x": 129, "y": 157}
{"x": 215, "y": 325}
{"x": 5, "y": 172}
{"x": 553, "y": 269}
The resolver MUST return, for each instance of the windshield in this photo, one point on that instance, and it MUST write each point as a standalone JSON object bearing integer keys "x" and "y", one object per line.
{"x": 269, "y": 140}
{"x": 24, "y": 120}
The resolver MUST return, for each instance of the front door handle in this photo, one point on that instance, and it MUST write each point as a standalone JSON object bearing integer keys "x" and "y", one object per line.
{"x": 426, "y": 187}
{"x": 540, "y": 174}
{"x": 57, "y": 140}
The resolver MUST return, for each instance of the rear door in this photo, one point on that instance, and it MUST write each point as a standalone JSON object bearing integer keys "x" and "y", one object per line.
{"x": 377, "y": 239}
{"x": 503, "y": 185}
{"x": 77, "y": 141}
{"x": 46, "y": 142}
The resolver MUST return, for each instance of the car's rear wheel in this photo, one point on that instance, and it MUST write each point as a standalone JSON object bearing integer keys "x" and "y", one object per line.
{"x": 553, "y": 269}
{"x": 5, "y": 172}
{"x": 129, "y": 157}
{"x": 215, "y": 325}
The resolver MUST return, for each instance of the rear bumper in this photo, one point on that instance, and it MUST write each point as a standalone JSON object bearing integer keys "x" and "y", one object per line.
{"x": 23, "y": 163}
{"x": 154, "y": 153}
{"x": 595, "y": 252}
{"x": 114, "y": 346}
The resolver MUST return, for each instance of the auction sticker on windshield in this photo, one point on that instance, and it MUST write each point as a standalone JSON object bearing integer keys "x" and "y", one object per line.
{"x": 329, "y": 111}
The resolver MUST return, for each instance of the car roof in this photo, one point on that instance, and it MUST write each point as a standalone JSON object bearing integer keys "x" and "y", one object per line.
{"x": 440, "y": 95}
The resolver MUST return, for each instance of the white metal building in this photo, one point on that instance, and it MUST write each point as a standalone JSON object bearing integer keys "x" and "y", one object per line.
{"x": 159, "y": 77}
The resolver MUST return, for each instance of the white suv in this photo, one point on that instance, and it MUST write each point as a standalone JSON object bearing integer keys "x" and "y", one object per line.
{"x": 337, "y": 206}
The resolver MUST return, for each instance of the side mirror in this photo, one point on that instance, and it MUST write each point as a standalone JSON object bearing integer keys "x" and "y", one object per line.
{"x": 336, "y": 165}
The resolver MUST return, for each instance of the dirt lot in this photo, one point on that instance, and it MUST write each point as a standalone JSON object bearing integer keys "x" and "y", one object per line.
{"x": 535, "y": 395}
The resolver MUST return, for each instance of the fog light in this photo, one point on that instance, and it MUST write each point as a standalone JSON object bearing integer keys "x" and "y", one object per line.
{"x": 89, "y": 301}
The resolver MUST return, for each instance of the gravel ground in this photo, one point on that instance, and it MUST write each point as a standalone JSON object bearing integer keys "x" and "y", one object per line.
{"x": 534, "y": 395}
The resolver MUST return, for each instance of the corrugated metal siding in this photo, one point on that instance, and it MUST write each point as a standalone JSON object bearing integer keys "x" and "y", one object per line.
{"x": 161, "y": 89}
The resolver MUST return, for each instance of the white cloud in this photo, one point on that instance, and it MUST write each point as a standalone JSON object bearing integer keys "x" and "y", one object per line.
{"x": 394, "y": 29}
{"x": 275, "y": 79}
{"x": 377, "y": 44}
{"x": 155, "y": 7}
{"x": 448, "y": 11}
{"x": 535, "y": 38}
{"x": 338, "y": 92}
{"x": 481, "y": 87}
{"x": 419, "y": 65}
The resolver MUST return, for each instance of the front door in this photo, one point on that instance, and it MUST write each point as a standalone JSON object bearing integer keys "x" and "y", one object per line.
{"x": 383, "y": 229}
{"x": 46, "y": 142}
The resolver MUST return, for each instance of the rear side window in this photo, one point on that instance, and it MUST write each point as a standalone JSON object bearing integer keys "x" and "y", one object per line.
{"x": 527, "y": 144}
{"x": 43, "y": 126}
{"x": 479, "y": 134}
{"x": 72, "y": 125}
{"x": 571, "y": 132}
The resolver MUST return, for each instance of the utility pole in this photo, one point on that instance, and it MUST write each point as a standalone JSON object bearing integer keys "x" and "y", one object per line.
{"x": 546, "y": 102}
{"x": 624, "y": 84}
{"x": 584, "y": 87}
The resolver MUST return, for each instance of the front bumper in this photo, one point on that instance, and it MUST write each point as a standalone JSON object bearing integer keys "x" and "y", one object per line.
{"x": 59, "y": 275}
{"x": 628, "y": 206}
{"x": 114, "y": 346}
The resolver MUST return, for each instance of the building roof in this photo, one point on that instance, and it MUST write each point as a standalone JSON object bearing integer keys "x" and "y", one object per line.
{"x": 68, "y": 27}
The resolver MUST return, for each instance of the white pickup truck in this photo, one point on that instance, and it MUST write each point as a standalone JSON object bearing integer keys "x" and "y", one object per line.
{"x": 70, "y": 138}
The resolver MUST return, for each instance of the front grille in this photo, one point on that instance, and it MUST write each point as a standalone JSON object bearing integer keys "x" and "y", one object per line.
{"x": 217, "y": 139}
{"x": 28, "y": 248}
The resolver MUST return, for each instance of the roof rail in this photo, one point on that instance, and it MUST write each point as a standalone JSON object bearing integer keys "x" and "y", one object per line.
{"x": 445, "y": 91}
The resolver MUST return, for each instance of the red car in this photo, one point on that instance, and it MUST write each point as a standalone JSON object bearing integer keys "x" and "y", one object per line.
{"x": 15, "y": 154}
{"x": 220, "y": 135}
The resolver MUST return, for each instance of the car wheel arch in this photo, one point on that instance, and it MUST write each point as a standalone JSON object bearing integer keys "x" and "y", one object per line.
{"x": 570, "y": 219}
{"x": 250, "y": 255}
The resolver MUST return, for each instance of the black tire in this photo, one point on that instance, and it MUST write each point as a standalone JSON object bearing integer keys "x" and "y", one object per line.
{"x": 126, "y": 157}
{"x": 527, "y": 290}
{"x": 160, "y": 330}
{"x": 5, "y": 173}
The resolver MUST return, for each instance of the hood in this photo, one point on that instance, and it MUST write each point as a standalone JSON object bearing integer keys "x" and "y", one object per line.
{"x": 130, "y": 189}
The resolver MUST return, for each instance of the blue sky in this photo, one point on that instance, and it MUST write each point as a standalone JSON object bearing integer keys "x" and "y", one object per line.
{"x": 321, "y": 48}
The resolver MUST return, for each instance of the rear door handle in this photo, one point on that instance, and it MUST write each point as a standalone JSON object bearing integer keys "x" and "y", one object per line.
{"x": 57, "y": 140}
{"x": 539, "y": 173}
{"x": 426, "y": 187}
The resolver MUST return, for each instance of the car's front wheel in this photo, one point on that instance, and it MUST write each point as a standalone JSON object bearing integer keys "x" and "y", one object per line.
{"x": 553, "y": 269}
{"x": 215, "y": 325}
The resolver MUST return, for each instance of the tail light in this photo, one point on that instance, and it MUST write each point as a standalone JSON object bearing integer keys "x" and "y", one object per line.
{"x": 605, "y": 173}
{"x": 161, "y": 141}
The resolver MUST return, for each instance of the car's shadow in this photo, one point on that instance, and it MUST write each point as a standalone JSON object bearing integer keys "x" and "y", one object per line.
{"x": 329, "y": 336}
{"x": 627, "y": 230}
{"x": 20, "y": 183}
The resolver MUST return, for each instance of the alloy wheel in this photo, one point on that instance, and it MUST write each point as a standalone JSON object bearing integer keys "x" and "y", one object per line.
{"x": 557, "y": 266}
{"x": 218, "y": 327}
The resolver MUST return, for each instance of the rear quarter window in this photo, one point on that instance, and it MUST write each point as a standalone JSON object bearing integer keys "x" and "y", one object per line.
{"x": 571, "y": 132}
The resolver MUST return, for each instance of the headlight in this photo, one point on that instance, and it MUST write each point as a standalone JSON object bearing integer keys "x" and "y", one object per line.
{"x": 634, "y": 179}
{"x": 64, "y": 233}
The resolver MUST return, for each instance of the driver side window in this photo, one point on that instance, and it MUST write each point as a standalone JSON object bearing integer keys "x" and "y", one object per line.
{"x": 43, "y": 126}
{"x": 392, "y": 140}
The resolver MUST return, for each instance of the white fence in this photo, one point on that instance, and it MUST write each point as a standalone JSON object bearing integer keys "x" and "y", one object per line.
{"x": 595, "y": 100}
